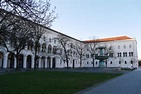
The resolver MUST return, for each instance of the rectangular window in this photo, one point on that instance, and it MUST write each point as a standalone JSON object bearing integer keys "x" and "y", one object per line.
{"x": 124, "y": 54}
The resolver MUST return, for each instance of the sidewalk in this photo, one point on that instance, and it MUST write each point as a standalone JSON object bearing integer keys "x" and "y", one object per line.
{"x": 129, "y": 83}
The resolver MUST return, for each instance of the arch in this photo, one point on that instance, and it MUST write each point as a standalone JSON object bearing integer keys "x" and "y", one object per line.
{"x": 10, "y": 63}
{"x": 20, "y": 58}
{"x": 29, "y": 61}
{"x": 42, "y": 62}
{"x": 49, "y": 62}
{"x": 1, "y": 59}
{"x": 49, "y": 48}
{"x": 54, "y": 62}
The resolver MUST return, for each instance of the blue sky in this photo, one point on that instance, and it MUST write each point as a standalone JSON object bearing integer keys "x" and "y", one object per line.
{"x": 85, "y": 19}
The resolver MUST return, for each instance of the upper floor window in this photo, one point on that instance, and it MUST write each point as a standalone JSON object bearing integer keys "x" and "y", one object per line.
{"x": 111, "y": 55}
{"x": 87, "y": 55}
{"x": 131, "y": 54}
{"x": 118, "y": 47}
{"x": 49, "y": 48}
{"x": 30, "y": 45}
{"x": 44, "y": 47}
{"x": 124, "y": 54}
{"x": 38, "y": 47}
{"x": 49, "y": 39}
{"x": 124, "y": 46}
{"x": 54, "y": 41}
{"x": 119, "y": 54}
{"x": 54, "y": 49}
{"x": 130, "y": 46}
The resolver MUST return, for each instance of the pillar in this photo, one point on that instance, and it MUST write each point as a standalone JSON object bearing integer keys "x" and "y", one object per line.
{"x": 50, "y": 62}
{"x": 32, "y": 63}
{"x": 15, "y": 62}
{"x": 5, "y": 60}
{"x": 45, "y": 62}
{"x": 24, "y": 61}
{"x": 39, "y": 62}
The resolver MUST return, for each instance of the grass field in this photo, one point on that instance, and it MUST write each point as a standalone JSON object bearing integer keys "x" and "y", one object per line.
{"x": 50, "y": 82}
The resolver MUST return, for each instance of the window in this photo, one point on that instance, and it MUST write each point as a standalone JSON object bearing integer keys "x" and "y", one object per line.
{"x": 87, "y": 55}
{"x": 111, "y": 62}
{"x": 119, "y": 54}
{"x": 111, "y": 54}
{"x": 54, "y": 50}
{"x": 49, "y": 39}
{"x": 119, "y": 62}
{"x": 30, "y": 45}
{"x": 125, "y": 62}
{"x": 49, "y": 48}
{"x": 118, "y": 47}
{"x": 96, "y": 62}
{"x": 131, "y": 62}
{"x": 54, "y": 41}
{"x": 44, "y": 47}
{"x": 130, "y": 46}
{"x": 124, "y": 54}
{"x": 130, "y": 54}
{"x": 124, "y": 46}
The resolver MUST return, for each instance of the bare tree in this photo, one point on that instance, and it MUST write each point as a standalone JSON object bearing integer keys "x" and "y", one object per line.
{"x": 92, "y": 49}
{"x": 80, "y": 49}
{"x": 37, "y": 36}
{"x": 63, "y": 41}
{"x": 34, "y": 12}
{"x": 16, "y": 36}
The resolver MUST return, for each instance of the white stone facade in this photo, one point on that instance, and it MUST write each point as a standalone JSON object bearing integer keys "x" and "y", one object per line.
{"x": 124, "y": 54}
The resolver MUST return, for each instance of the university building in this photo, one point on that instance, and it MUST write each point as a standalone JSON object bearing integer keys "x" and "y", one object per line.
{"x": 122, "y": 53}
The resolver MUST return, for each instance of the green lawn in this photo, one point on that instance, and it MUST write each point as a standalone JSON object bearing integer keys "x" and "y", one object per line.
{"x": 49, "y": 82}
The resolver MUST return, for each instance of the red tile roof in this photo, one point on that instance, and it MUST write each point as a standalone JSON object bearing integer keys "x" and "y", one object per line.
{"x": 108, "y": 39}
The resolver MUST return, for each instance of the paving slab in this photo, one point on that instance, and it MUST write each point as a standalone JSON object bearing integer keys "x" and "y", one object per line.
{"x": 129, "y": 83}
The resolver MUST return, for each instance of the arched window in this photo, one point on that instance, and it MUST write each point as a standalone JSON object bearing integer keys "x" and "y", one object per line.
{"x": 54, "y": 49}
{"x": 130, "y": 46}
{"x": 49, "y": 48}
{"x": 44, "y": 47}
{"x": 118, "y": 47}
{"x": 30, "y": 45}
{"x": 124, "y": 46}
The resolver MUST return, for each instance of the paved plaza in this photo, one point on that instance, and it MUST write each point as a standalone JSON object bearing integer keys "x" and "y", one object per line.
{"x": 129, "y": 83}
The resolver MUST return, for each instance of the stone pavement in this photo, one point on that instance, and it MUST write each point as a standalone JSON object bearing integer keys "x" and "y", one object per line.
{"x": 129, "y": 83}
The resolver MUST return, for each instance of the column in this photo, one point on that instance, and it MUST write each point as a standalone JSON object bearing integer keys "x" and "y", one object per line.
{"x": 45, "y": 62}
{"x": 15, "y": 62}
{"x": 24, "y": 61}
{"x": 50, "y": 62}
{"x": 39, "y": 62}
{"x": 32, "y": 63}
{"x": 5, "y": 60}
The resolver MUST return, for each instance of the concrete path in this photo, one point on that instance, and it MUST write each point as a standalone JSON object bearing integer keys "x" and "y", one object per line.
{"x": 129, "y": 83}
